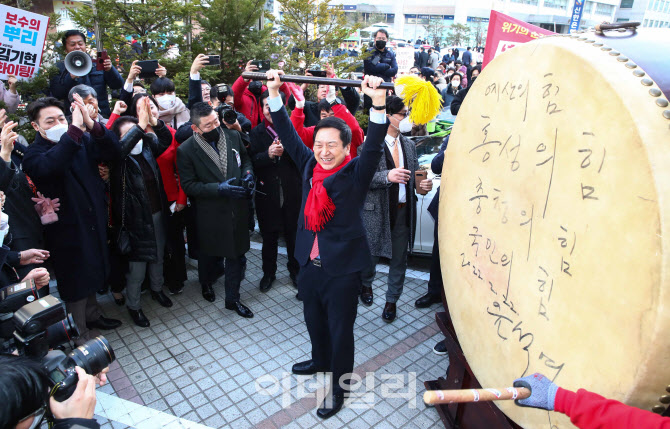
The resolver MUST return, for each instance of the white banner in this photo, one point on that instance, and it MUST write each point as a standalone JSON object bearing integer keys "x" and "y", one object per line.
{"x": 22, "y": 40}
{"x": 405, "y": 58}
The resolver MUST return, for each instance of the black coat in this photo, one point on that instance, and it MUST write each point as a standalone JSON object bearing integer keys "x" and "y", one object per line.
{"x": 138, "y": 220}
{"x": 24, "y": 222}
{"x": 221, "y": 222}
{"x": 423, "y": 59}
{"x": 272, "y": 175}
{"x": 61, "y": 84}
{"x": 78, "y": 241}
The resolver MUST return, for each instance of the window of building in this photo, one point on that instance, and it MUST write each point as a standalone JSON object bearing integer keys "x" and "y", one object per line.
{"x": 626, "y": 4}
{"x": 588, "y": 7}
{"x": 531, "y": 2}
{"x": 622, "y": 20}
{"x": 646, "y": 21}
{"x": 604, "y": 9}
{"x": 667, "y": 5}
{"x": 556, "y": 4}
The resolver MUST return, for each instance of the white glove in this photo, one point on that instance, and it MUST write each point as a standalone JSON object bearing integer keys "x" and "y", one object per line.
{"x": 330, "y": 96}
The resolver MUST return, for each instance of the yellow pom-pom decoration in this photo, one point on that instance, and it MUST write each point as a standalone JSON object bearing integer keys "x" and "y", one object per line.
{"x": 420, "y": 97}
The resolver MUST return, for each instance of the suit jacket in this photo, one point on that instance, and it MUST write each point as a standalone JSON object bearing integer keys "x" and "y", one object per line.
{"x": 221, "y": 222}
{"x": 381, "y": 203}
{"x": 436, "y": 166}
{"x": 343, "y": 243}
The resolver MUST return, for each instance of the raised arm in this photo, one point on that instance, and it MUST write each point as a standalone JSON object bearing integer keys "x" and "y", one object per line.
{"x": 290, "y": 139}
{"x": 372, "y": 149}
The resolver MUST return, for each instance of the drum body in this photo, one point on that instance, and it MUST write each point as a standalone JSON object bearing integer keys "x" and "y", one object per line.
{"x": 555, "y": 216}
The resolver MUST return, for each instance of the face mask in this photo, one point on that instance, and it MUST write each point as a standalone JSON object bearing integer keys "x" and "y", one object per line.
{"x": 137, "y": 149}
{"x": 166, "y": 101}
{"x": 56, "y": 132}
{"x": 380, "y": 44}
{"x": 455, "y": 83}
{"x": 474, "y": 78}
{"x": 211, "y": 136}
{"x": 405, "y": 126}
{"x": 256, "y": 87}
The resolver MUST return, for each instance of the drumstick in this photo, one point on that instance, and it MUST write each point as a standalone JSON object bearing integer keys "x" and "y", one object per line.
{"x": 314, "y": 80}
{"x": 433, "y": 397}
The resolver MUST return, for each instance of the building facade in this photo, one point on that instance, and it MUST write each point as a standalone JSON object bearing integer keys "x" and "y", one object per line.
{"x": 651, "y": 13}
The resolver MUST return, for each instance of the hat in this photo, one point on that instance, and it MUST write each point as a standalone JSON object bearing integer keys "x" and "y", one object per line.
{"x": 427, "y": 72}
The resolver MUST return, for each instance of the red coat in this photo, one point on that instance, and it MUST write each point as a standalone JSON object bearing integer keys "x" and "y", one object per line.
{"x": 167, "y": 163}
{"x": 591, "y": 411}
{"x": 246, "y": 103}
{"x": 341, "y": 111}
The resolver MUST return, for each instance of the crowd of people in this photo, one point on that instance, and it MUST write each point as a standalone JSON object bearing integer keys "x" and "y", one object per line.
{"x": 111, "y": 198}
{"x": 115, "y": 198}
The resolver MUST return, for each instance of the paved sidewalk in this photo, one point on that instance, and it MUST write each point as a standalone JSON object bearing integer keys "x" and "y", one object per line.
{"x": 200, "y": 365}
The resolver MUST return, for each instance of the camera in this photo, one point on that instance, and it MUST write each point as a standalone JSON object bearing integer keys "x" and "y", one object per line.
{"x": 227, "y": 114}
{"x": 94, "y": 356}
{"x": 222, "y": 92}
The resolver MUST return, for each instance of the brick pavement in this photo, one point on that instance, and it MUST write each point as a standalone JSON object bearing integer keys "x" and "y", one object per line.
{"x": 200, "y": 365}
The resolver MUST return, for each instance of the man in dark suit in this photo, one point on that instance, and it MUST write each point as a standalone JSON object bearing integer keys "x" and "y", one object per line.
{"x": 423, "y": 58}
{"x": 216, "y": 172}
{"x": 277, "y": 208}
{"x": 63, "y": 163}
{"x": 331, "y": 244}
{"x": 467, "y": 57}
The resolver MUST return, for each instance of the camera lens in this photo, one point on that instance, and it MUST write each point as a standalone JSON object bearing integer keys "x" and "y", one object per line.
{"x": 62, "y": 332}
{"x": 94, "y": 356}
{"x": 229, "y": 116}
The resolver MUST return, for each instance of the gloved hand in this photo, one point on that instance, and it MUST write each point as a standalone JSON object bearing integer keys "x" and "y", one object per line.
{"x": 331, "y": 95}
{"x": 227, "y": 189}
{"x": 249, "y": 184}
{"x": 543, "y": 392}
{"x": 297, "y": 94}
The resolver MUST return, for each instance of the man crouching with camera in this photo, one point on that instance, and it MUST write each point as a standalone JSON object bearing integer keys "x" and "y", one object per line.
{"x": 25, "y": 396}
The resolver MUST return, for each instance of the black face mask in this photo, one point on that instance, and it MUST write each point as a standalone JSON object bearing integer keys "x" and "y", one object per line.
{"x": 256, "y": 87}
{"x": 380, "y": 44}
{"x": 211, "y": 136}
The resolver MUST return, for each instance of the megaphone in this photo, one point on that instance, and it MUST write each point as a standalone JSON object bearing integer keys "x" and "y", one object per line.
{"x": 78, "y": 63}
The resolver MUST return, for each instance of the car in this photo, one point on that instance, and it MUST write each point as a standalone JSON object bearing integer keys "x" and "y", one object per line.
{"x": 426, "y": 149}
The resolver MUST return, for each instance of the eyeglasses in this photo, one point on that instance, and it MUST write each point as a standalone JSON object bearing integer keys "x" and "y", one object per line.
{"x": 403, "y": 114}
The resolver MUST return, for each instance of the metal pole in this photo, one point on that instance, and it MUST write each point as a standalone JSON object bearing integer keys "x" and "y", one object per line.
{"x": 96, "y": 29}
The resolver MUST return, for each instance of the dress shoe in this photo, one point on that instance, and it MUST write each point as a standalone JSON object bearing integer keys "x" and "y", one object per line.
{"x": 104, "y": 324}
{"x": 331, "y": 405}
{"x": 388, "y": 315}
{"x": 176, "y": 289}
{"x": 427, "y": 300}
{"x": 139, "y": 318}
{"x": 307, "y": 367}
{"x": 240, "y": 308}
{"x": 208, "y": 293}
{"x": 294, "y": 279}
{"x": 366, "y": 295}
{"x": 161, "y": 298}
{"x": 266, "y": 282}
{"x": 119, "y": 301}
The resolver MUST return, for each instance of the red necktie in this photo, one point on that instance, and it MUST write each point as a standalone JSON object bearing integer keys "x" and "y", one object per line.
{"x": 315, "y": 248}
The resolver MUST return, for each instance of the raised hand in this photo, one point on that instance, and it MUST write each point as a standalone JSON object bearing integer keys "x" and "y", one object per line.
{"x": 7, "y": 138}
{"x": 134, "y": 71}
{"x": 120, "y": 108}
{"x": 199, "y": 62}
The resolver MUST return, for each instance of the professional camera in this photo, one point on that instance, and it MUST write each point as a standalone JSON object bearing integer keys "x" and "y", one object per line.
{"x": 222, "y": 92}
{"x": 92, "y": 357}
{"x": 227, "y": 114}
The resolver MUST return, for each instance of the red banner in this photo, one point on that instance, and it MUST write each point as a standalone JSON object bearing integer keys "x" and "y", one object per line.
{"x": 506, "y": 32}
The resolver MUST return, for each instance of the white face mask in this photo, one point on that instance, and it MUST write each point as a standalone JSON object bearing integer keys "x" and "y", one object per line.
{"x": 166, "y": 101}
{"x": 455, "y": 84}
{"x": 405, "y": 126}
{"x": 56, "y": 132}
{"x": 137, "y": 149}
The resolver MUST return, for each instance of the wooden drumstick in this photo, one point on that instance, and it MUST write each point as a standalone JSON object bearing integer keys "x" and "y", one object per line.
{"x": 433, "y": 397}
{"x": 314, "y": 80}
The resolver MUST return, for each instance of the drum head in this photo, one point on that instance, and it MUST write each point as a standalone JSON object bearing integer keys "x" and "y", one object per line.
{"x": 553, "y": 225}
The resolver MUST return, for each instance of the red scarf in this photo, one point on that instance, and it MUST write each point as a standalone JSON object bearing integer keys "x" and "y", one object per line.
{"x": 319, "y": 207}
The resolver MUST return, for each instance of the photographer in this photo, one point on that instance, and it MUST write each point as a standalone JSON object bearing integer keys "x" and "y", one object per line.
{"x": 23, "y": 399}
{"x": 133, "y": 86}
{"x": 61, "y": 83}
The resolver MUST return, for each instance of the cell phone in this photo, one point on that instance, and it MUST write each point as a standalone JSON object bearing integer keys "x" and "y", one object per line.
{"x": 148, "y": 67}
{"x": 263, "y": 65}
{"x": 214, "y": 60}
{"x": 419, "y": 176}
{"x": 318, "y": 73}
{"x": 100, "y": 60}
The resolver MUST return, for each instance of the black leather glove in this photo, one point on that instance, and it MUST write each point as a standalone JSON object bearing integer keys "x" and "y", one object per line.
{"x": 249, "y": 184}
{"x": 227, "y": 189}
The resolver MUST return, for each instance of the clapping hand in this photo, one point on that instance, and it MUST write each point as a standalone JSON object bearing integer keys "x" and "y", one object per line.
{"x": 7, "y": 137}
{"x": 83, "y": 115}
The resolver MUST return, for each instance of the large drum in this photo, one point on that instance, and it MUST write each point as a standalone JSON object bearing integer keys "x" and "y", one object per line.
{"x": 555, "y": 219}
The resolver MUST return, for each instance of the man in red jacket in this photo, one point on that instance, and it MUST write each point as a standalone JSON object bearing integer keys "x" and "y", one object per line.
{"x": 247, "y": 96}
{"x": 586, "y": 410}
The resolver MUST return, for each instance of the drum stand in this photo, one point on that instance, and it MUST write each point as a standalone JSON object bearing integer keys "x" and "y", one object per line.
{"x": 483, "y": 415}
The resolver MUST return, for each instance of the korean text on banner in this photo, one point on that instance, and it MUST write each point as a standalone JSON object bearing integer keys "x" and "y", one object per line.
{"x": 405, "y": 59}
{"x": 576, "y": 17}
{"x": 22, "y": 40}
{"x": 506, "y": 32}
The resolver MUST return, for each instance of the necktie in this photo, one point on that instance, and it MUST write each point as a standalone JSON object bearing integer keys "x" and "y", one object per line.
{"x": 396, "y": 155}
{"x": 315, "y": 248}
